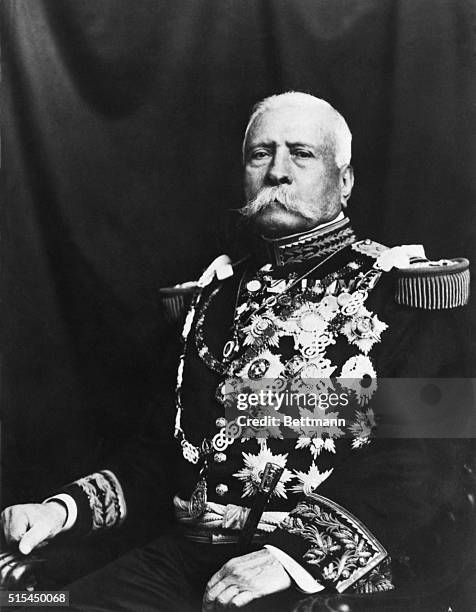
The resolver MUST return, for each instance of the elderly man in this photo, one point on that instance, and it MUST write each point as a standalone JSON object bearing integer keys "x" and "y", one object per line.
{"x": 268, "y": 511}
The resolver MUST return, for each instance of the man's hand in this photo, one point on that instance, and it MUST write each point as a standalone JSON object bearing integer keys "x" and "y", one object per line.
{"x": 243, "y": 579}
{"x": 32, "y": 524}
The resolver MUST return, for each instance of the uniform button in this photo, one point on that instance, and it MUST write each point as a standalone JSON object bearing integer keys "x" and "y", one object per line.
{"x": 221, "y": 489}
{"x": 219, "y": 457}
{"x": 220, "y": 422}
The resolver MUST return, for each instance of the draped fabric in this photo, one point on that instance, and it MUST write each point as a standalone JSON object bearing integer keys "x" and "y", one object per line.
{"x": 122, "y": 126}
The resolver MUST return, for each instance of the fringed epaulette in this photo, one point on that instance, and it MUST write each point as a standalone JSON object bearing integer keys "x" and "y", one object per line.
{"x": 433, "y": 285}
{"x": 175, "y": 299}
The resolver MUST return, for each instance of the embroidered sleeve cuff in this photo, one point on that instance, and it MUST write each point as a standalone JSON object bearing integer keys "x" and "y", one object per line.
{"x": 333, "y": 546}
{"x": 71, "y": 508}
{"x": 100, "y": 501}
{"x": 301, "y": 577}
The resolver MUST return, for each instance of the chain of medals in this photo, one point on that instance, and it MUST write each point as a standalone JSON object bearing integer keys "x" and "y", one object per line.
{"x": 228, "y": 432}
{"x": 349, "y": 301}
{"x": 221, "y": 440}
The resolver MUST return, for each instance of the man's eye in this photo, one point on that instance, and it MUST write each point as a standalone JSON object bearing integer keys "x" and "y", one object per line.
{"x": 302, "y": 153}
{"x": 261, "y": 154}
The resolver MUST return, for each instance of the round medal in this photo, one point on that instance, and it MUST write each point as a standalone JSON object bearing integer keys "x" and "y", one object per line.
{"x": 298, "y": 301}
{"x": 311, "y": 321}
{"x": 284, "y": 300}
{"x": 253, "y": 286}
{"x": 343, "y": 298}
{"x": 258, "y": 369}
{"x": 311, "y": 370}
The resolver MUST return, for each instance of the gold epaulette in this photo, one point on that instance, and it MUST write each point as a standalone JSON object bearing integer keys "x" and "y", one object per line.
{"x": 174, "y": 299}
{"x": 433, "y": 285}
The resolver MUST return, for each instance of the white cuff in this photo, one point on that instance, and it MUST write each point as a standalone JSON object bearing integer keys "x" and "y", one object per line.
{"x": 303, "y": 579}
{"x": 71, "y": 506}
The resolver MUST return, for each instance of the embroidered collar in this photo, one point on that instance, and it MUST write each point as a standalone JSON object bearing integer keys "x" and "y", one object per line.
{"x": 316, "y": 243}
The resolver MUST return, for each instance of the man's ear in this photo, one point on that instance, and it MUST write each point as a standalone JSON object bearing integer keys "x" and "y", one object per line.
{"x": 346, "y": 182}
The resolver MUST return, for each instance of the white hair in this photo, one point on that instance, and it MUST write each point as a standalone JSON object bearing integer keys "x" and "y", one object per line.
{"x": 334, "y": 123}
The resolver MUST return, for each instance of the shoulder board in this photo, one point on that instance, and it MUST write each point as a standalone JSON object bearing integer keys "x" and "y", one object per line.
{"x": 433, "y": 285}
{"x": 176, "y": 299}
{"x": 369, "y": 247}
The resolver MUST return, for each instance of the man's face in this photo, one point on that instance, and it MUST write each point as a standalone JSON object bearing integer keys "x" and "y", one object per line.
{"x": 290, "y": 172}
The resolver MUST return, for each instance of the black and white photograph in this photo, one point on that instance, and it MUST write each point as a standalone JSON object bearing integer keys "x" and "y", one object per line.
{"x": 238, "y": 340}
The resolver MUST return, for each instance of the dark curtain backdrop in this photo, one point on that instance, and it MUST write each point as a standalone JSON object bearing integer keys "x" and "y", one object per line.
{"x": 122, "y": 125}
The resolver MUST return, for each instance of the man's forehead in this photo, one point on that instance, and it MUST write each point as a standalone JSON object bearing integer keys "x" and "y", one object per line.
{"x": 297, "y": 123}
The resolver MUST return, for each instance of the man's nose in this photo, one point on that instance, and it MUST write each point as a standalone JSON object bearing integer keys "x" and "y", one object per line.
{"x": 279, "y": 171}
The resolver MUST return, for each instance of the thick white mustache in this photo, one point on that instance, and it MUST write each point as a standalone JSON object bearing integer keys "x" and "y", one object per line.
{"x": 283, "y": 194}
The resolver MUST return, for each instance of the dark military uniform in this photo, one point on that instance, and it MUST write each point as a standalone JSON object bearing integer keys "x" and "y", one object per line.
{"x": 361, "y": 509}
